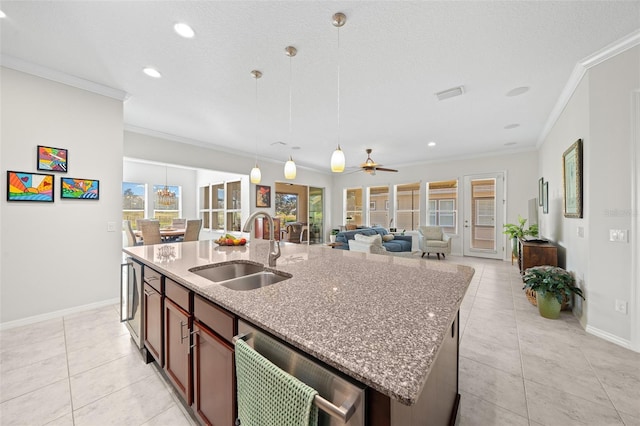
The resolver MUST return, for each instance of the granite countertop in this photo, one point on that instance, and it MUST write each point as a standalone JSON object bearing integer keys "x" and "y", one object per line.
{"x": 377, "y": 318}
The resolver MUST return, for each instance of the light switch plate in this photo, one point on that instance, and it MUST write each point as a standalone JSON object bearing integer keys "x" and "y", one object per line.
{"x": 618, "y": 235}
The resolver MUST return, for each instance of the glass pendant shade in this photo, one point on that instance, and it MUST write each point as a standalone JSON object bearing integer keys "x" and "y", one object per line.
{"x": 256, "y": 176}
{"x": 290, "y": 169}
{"x": 337, "y": 161}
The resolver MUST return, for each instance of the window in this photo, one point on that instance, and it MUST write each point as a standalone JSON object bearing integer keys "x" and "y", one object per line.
{"x": 443, "y": 199}
{"x": 485, "y": 212}
{"x": 379, "y": 206}
{"x": 286, "y": 207}
{"x": 133, "y": 196}
{"x": 165, "y": 209}
{"x": 408, "y": 202}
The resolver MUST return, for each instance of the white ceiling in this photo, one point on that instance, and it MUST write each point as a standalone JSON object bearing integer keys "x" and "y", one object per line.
{"x": 393, "y": 57}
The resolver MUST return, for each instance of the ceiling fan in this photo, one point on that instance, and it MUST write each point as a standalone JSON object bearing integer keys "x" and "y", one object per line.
{"x": 371, "y": 166}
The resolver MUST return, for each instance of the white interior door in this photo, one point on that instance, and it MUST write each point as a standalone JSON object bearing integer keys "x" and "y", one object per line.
{"x": 484, "y": 215}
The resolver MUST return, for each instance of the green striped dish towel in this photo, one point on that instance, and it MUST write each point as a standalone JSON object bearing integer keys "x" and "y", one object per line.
{"x": 268, "y": 396}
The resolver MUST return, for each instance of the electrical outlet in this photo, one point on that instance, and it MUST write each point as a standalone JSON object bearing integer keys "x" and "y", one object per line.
{"x": 111, "y": 227}
{"x": 621, "y": 306}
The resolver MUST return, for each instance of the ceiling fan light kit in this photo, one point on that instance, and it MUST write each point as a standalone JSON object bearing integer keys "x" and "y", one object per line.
{"x": 370, "y": 166}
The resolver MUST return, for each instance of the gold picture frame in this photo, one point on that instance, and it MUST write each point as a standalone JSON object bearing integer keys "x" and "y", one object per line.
{"x": 572, "y": 180}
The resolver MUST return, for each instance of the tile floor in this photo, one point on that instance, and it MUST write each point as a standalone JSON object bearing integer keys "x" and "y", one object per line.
{"x": 516, "y": 368}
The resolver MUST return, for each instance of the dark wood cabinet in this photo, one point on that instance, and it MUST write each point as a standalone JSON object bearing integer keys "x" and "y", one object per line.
{"x": 536, "y": 254}
{"x": 214, "y": 378}
{"x": 177, "y": 355}
{"x": 153, "y": 314}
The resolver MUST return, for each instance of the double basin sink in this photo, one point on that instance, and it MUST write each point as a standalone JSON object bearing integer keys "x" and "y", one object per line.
{"x": 240, "y": 275}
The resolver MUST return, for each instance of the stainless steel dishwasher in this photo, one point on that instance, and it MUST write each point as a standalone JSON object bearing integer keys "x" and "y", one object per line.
{"x": 340, "y": 401}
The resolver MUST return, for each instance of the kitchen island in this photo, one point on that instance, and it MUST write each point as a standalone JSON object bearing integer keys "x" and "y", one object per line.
{"x": 378, "y": 319}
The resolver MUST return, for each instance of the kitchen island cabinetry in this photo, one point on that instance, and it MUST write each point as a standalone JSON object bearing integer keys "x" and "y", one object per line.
{"x": 410, "y": 379}
{"x": 214, "y": 399}
{"x": 177, "y": 352}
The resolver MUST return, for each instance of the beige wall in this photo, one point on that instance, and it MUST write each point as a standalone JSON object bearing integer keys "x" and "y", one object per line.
{"x": 59, "y": 256}
{"x": 598, "y": 113}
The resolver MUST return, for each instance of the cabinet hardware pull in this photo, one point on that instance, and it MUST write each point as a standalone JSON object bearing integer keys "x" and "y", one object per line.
{"x": 182, "y": 337}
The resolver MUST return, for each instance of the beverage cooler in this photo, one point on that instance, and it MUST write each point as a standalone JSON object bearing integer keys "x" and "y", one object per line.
{"x": 131, "y": 299}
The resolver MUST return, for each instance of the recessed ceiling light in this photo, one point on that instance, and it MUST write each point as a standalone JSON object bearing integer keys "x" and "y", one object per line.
{"x": 295, "y": 147}
{"x": 450, "y": 93}
{"x": 184, "y": 30}
{"x": 2, "y": 14}
{"x": 152, "y": 72}
{"x": 511, "y": 126}
{"x": 518, "y": 91}
{"x": 432, "y": 144}
{"x": 510, "y": 143}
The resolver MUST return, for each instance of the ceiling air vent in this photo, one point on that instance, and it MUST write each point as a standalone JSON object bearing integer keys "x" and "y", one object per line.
{"x": 450, "y": 93}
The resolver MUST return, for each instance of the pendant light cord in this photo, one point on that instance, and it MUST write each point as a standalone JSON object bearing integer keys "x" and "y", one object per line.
{"x": 290, "y": 97}
{"x": 338, "y": 86}
{"x": 256, "y": 127}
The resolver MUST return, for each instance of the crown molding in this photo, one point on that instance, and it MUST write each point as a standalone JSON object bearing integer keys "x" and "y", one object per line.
{"x": 60, "y": 77}
{"x": 578, "y": 73}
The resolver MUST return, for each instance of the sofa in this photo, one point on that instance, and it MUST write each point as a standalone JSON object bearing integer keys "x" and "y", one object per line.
{"x": 394, "y": 243}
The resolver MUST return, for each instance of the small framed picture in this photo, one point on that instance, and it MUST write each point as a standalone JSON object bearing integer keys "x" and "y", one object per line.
{"x": 540, "y": 184}
{"x": 545, "y": 198}
{"x": 572, "y": 180}
{"x": 263, "y": 196}
{"x": 79, "y": 189}
{"x": 52, "y": 159}
{"x": 372, "y": 205}
{"x": 26, "y": 186}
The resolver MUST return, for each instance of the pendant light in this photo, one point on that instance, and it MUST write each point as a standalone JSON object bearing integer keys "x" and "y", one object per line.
{"x": 290, "y": 166}
{"x": 337, "y": 158}
{"x": 255, "y": 175}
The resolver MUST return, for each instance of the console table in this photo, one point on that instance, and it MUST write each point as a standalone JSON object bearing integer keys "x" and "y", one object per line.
{"x": 536, "y": 254}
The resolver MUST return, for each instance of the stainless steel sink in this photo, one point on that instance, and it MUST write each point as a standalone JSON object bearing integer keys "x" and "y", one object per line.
{"x": 254, "y": 281}
{"x": 227, "y": 271}
{"x": 240, "y": 275}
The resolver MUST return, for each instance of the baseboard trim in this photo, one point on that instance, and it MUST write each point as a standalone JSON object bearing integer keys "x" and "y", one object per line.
{"x": 56, "y": 314}
{"x": 609, "y": 337}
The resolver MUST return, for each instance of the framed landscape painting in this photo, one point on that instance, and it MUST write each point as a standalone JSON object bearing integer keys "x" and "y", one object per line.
{"x": 52, "y": 159}
{"x": 79, "y": 189}
{"x": 572, "y": 180}
{"x": 26, "y": 186}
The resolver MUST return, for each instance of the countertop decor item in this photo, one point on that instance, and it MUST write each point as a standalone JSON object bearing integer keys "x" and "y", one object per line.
{"x": 553, "y": 285}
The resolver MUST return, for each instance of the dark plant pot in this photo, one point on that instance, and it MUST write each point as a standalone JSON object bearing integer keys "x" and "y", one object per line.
{"x": 548, "y": 305}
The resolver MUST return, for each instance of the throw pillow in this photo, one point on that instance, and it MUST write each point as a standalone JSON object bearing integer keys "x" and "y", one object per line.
{"x": 387, "y": 237}
{"x": 370, "y": 239}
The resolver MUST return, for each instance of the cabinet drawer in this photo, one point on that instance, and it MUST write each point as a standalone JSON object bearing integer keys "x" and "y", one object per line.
{"x": 177, "y": 293}
{"x": 153, "y": 278}
{"x": 214, "y": 317}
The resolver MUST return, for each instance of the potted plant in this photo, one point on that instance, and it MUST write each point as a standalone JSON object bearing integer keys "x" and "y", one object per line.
{"x": 515, "y": 231}
{"x": 553, "y": 285}
{"x": 332, "y": 237}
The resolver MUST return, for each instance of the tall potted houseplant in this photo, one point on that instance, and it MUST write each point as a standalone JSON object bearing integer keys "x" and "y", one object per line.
{"x": 553, "y": 285}
{"x": 515, "y": 231}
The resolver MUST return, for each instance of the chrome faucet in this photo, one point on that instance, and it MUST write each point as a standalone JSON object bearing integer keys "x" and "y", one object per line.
{"x": 273, "y": 244}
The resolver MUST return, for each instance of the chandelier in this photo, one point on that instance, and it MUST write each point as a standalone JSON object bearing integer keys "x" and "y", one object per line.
{"x": 164, "y": 195}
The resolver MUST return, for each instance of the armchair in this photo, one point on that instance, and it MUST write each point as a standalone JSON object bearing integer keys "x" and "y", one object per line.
{"x": 431, "y": 239}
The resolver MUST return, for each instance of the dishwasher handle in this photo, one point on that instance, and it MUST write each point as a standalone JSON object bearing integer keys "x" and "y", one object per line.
{"x": 344, "y": 412}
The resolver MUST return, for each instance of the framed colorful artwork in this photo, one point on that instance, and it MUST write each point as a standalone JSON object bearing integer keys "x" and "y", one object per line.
{"x": 26, "y": 186}
{"x": 52, "y": 159}
{"x": 79, "y": 189}
{"x": 572, "y": 180}
{"x": 263, "y": 196}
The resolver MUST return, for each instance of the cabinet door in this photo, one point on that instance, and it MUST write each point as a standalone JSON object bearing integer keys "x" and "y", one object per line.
{"x": 177, "y": 361}
{"x": 153, "y": 322}
{"x": 214, "y": 377}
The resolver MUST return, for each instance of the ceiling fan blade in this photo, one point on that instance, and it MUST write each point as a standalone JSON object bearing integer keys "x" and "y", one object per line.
{"x": 384, "y": 169}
